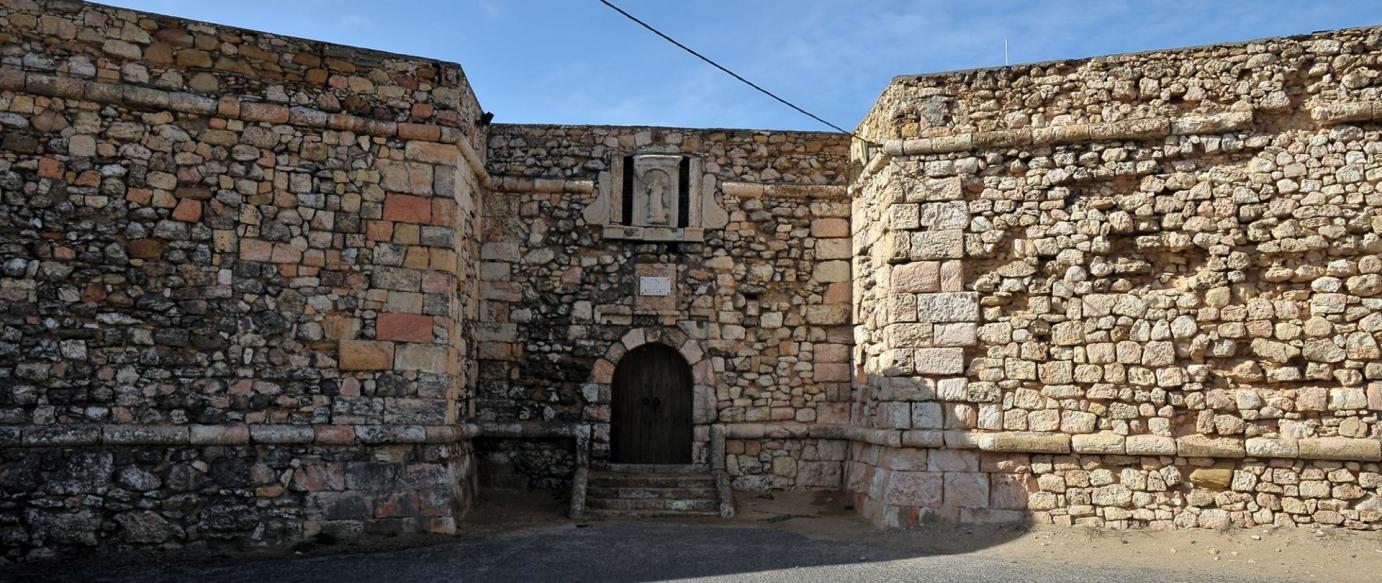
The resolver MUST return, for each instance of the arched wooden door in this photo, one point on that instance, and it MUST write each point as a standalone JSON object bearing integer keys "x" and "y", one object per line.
{"x": 651, "y": 418}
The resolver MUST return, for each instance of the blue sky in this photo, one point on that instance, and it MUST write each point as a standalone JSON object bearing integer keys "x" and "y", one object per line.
{"x": 576, "y": 61}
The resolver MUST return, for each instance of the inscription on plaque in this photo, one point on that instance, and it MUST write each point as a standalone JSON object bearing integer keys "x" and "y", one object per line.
{"x": 654, "y": 286}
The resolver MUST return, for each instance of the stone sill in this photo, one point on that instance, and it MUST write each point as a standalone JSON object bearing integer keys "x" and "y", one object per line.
{"x": 234, "y": 434}
{"x": 651, "y": 234}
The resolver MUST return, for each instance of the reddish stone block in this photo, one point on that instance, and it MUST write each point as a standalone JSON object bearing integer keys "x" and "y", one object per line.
{"x": 404, "y": 208}
{"x": 823, "y": 228}
{"x": 255, "y": 250}
{"x": 417, "y": 131}
{"x": 145, "y": 248}
{"x": 366, "y": 355}
{"x": 444, "y": 212}
{"x": 228, "y": 107}
{"x": 917, "y": 277}
{"x": 832, "y": 372}
{"x": 264, "y": 112}
{"x": 333, "y": 435}
{"x": 321, "y": 476}
{"x": 49, "y": 168}
{"x": 838, "y": 293}
{"x": 285, "y": 253}
{"x": 314, "y": 258}
{"x": 140, "y": 196}
{"x": 188, "y": 211}
{"x": 403, "y": 327}
{"x": 379, "y": 230}
{"x": 604, "y": 371}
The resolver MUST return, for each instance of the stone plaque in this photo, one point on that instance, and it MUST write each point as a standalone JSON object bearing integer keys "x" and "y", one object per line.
{"x": 655, "y": 289}
{"x": 654, "y": 286}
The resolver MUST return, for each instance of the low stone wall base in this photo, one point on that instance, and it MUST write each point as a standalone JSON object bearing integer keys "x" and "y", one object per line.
{"x": 902, "y": 487}
{"x": 56, "y": 501}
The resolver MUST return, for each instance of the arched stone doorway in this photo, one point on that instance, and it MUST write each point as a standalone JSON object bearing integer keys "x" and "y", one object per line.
{"x": 651, "y": 417}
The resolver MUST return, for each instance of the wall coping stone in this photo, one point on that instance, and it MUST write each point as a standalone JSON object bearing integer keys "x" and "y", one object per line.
{"x": 783, "y": 190}
{"x": 245, "y": 108}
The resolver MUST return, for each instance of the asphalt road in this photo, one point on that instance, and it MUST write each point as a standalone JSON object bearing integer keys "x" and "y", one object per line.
{"x": 624, "y": 552}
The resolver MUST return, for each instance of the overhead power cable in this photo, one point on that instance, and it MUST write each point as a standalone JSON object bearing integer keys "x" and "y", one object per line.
{"x": 712, "y": 63}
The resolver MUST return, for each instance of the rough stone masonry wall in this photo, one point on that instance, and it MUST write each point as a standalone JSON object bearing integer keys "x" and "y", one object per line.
{"x": 762, "y": 307}
{"x": 1132, "y": 291}
{"x": 237, "y": 272}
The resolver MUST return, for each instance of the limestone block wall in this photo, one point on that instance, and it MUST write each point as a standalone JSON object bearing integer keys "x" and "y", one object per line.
{"x": 238, "y": 272}
{"x": 761, "y": 311}
{"x": 1163, "y": 310}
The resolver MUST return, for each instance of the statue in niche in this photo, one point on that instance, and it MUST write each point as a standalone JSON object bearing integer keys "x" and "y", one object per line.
{"x": 656, "y": 181}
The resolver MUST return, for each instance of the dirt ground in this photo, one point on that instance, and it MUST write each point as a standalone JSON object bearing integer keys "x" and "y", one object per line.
{"x": 1008, "y": 553}
{"x": 1305, "y": 554}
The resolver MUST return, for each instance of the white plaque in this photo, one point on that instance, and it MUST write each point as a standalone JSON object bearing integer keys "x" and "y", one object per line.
{"x": 654, "y": 286}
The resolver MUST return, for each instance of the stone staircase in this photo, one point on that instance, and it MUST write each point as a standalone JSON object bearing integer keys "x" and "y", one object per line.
{"x": 652, "y": 490}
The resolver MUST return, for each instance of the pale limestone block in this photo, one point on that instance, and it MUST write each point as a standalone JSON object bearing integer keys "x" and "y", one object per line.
{"x": 947, "y": 244}
{"x": 1106, "y": 443}
{"x": 1267, "y": 447}
{"x": 1149, "y": 445}
{"x": 1025, "y": 442}
{"x": 1205, "y": 446}
{"x": 940, "y": 361}
{"x": 948, "y": 307}
{"x": 1340, "y": 448}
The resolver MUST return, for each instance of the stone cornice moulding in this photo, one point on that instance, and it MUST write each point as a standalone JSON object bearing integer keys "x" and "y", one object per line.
{"x": 1128, "y": 129}
{"x": 783, "y": 190}
{"x": 233, "y": 434}
{"x": 505, "y": 183}
{"x": 1031, "y": 442}
{"x": 1103, "y": 443}
{"x": 238, "y": 107}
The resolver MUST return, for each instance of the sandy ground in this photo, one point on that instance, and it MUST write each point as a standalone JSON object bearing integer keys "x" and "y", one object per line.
{"x": 831, "y": 542}
{"x": 1303, "y": 554}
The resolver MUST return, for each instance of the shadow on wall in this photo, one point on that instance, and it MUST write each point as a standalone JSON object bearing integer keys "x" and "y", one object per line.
{"x": 543, "y": 463}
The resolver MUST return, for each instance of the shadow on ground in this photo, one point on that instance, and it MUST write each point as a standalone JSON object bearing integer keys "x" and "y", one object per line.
{"x": 523, "y": 537}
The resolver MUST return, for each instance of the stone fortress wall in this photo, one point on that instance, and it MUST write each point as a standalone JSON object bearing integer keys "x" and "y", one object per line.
{"x": 253, "y": 288}
{"x": 1137, "y": 290}
{"x": 238, "y": 283}
{"x": 761, "y": 307}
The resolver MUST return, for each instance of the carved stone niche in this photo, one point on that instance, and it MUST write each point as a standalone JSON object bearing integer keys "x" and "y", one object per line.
{"x": 656, "y": 197}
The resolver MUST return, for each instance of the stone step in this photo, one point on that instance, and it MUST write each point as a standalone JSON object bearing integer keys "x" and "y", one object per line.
{"x": 703, "y": 493}
{"x": 607, "y": 513}
{"x": 655, "y": 469}
{"x": 653, "y": 505}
